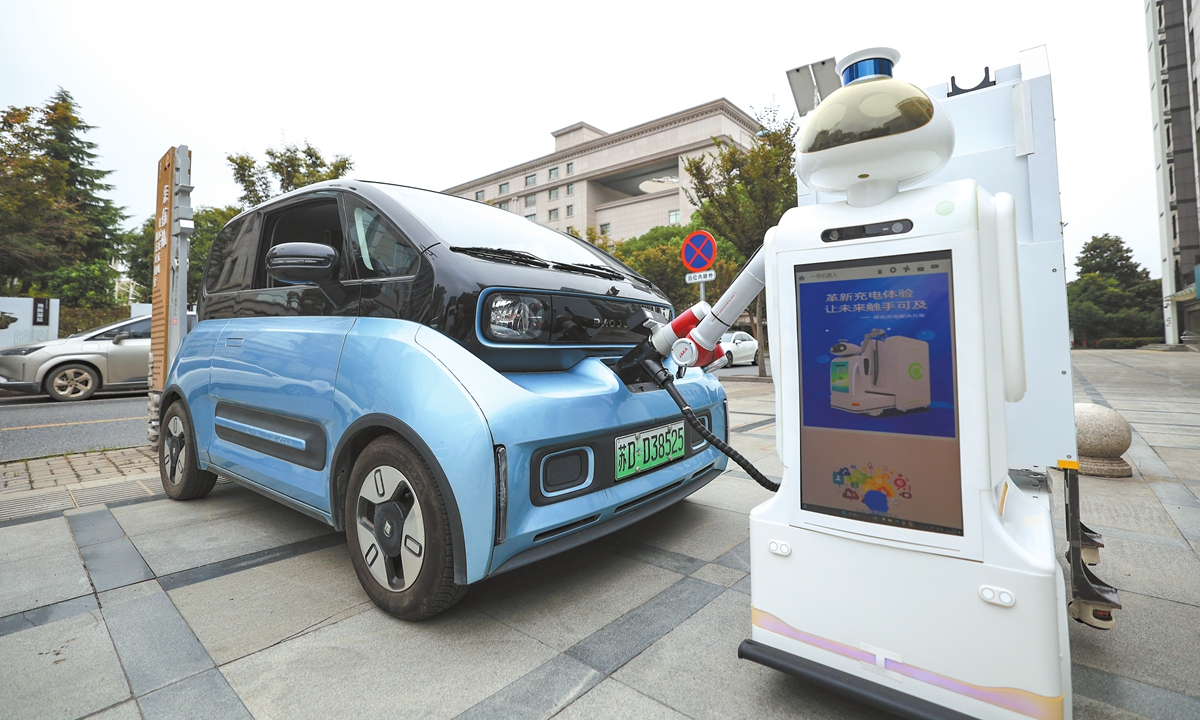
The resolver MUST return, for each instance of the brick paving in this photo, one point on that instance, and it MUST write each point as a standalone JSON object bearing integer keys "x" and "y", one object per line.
{"x": 60, "y": 470}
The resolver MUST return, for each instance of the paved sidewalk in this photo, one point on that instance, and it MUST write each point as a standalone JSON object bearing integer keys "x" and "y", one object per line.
{"x": 72, "y": 469}
{"x": 234, "y": 606}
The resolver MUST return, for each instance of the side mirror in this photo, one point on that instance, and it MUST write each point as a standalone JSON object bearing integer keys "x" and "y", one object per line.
{"x": 120, "y": 338}
{"x": 302, "y": 262}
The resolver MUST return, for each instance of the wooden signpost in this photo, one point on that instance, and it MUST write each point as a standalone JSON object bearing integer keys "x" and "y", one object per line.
{"x": 173, "y": 227}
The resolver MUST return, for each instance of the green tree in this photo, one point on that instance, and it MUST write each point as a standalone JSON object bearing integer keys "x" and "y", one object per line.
{"x": 138, "y": 249}
{"x": 86, "y": 284}
{"x": 740, "y": 194}
{"x": 1114, "y": 296}
{"x": 285, "y": 169}
{"x": 52, "y": 213}
{"x": 655, "y": 255}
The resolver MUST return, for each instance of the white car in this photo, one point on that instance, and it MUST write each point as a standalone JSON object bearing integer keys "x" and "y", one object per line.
{"x": 113, "y": 357}
{"x": 740, "y": 347}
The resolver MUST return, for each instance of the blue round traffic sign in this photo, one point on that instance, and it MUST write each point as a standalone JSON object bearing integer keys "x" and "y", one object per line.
{"x": 699, "y": 251}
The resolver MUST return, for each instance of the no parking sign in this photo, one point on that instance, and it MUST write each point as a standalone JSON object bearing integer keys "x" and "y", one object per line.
{"x": 699, "y": 251}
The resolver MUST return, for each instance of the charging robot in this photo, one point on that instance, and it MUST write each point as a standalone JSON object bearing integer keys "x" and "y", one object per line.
{"x": 901, "y": 562}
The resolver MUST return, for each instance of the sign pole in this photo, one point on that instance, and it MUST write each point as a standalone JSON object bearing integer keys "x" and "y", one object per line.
{"x": 173, "y": 226}
{"x": 701, "y": 291}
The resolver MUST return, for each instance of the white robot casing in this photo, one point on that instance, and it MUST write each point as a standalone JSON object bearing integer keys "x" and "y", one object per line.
{"x": 971, "y": 618}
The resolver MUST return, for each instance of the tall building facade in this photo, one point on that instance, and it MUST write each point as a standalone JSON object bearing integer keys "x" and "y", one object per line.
{"x": 621, "y": 184}
{"x": 1171, "y": 43}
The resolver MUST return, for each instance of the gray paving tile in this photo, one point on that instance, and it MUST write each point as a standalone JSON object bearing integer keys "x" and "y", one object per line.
{"x": 39, "y": 565}
{"x": 1086, "y": 708}
{"x": 199, "y": 697}
{"x": 540, "y": 693}
{"x": 65, "y": 669}
{"x": 47, "y": 614}
{"x": 1138, "y": 697}
{"x": 1170, "y": 573}
{"x": 455, "y": 659}
{"x": 692, "y": 529}
{"x": 93, "y": 525}
{"x": 114, "y": 564}
{"x": 675, "y": 562}
{"x": 127, "y": 710}
{"x": 734, "y": 490}
{"x": 742, "y": 586}
{"x": 184, "y": 578}
{"x": 737, "y": 558}
{"x": 615, "y": 644}
{"x": 205, "y": 542}
{"x": 1173, "y": 493}
{"x": 241, "y": 613}
{"x": 1138, "y": 537}
{"x": 224, "y": 501}
{"x": 156, "y": 646}
{"x": 1154, "y": 642}
{"x": 695, "y": 670}
{"x": 719, "y": 575}
{"x": 615, "y": 701}
{"x": 563, "y": 599}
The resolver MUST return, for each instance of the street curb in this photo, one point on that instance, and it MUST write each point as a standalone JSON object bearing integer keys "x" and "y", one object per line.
{"x": 746, "y": 378}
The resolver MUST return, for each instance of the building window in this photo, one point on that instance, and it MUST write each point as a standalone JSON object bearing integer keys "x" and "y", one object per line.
{"x": 570, "y": 211}
{"x": 531, "y": 216}
{"x": 1161, "y": 19}
{"x": 1166, "y": 97}
{"x": 570, "y": 168}
{"x": 571, "y": 231}
{"x": 1171, "y": 177}
{"x": 530, "y": 180}
{"x": 673, "y": 217}
{"x": 503, "y": 188}
{"x": 604, "y": 228}
{"x": 503, "y": 205}
{"x": 553, "y": 173}
{"x": 478, "y": 196}
{"x": 530, "y": 200}
{"x": 1162, "y": 52}
{"x": 1168, "y": 135}
{"x": 1174, "y": 226}
{"x": 571, "y": 189}
{"x": 554, "y": 214}
{"x": 554, "y": 194}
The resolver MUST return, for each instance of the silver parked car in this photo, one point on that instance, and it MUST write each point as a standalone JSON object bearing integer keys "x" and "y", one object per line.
{"x": 113, "y": 357}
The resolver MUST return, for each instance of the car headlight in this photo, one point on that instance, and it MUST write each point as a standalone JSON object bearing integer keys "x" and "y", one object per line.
{"x": 512, "y": 317}
{"x": 21, "y": 350}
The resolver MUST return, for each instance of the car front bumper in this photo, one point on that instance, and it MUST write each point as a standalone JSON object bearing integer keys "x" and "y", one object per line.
{"x": 27, "y": 388}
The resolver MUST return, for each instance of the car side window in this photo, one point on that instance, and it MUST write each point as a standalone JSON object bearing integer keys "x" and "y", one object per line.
{"x": 139, "y": 330}
{"x": 381, "y": 250}
{"x": 231, "y": 259}
{"x": 317, "y": 221}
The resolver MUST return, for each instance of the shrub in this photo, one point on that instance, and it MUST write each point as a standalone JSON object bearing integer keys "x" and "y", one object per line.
{"x": 1117, "y": 343}
{"x": 74, "y": 320}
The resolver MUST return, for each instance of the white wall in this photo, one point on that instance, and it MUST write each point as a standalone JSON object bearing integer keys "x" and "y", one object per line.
{"x": 16, "y": 322}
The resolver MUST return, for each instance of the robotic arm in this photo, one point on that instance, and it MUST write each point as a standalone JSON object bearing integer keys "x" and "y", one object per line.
{"x": 693, "y": 338}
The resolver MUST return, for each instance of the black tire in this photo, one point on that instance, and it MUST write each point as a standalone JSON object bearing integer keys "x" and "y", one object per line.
{"x": 433, "y": 589}
{"x": 71, "y": 382}
{"x": 182, "y": 478}
{"x": 755, "y": 360}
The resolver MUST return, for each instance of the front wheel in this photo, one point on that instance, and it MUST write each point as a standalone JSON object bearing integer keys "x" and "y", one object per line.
{"x": 398, "y": 532}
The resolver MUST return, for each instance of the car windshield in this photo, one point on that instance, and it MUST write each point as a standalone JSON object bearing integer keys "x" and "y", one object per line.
{"x": 463, "y": 223}
{"x": 102, "y": 328}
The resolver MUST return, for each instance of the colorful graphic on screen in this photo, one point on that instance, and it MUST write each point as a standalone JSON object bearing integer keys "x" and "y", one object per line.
{"x": 878, "y": 403}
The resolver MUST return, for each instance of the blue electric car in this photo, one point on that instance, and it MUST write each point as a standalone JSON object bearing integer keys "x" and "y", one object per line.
{"x": 434, "y": 377}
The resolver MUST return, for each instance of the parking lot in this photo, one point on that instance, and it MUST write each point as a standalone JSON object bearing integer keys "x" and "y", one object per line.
{"x": 234, "y": 606}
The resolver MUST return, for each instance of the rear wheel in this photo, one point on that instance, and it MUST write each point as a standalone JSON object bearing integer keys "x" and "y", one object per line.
{"x": 754, "y": 360}
{"x": 182, "y": 478}
{"x": 73, "y": 381}
{"x": 399, "y": 532}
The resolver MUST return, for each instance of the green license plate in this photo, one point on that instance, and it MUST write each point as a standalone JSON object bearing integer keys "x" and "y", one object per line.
{"x": 649, "y": 449}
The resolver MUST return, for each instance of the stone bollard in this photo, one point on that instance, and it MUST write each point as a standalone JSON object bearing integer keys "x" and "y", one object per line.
{"x": 1102, "y": 436}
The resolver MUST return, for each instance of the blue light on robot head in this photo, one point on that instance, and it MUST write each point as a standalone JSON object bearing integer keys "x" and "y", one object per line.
{"x": 866, "y": 69}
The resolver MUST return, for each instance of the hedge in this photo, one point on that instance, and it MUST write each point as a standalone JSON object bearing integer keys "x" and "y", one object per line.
{"x": 1117, "y": 343}
{"x": 73, "y": 320}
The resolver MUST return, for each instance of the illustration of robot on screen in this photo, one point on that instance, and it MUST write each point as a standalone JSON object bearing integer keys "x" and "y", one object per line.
{"x": 881, "y": 374}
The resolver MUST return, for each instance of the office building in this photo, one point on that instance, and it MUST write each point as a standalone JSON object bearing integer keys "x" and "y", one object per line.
{"x": 622, "y": 183}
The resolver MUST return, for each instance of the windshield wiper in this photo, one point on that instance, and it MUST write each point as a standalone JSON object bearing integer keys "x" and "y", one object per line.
{"x": 516, "y": 257}
{"x": 590, "y": 269}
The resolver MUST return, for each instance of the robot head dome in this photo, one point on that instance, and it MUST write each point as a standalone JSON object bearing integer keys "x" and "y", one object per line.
{"x": 874, "y": 133}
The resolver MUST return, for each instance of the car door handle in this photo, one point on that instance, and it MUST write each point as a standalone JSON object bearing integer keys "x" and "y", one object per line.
{"x": 233, "y": 342}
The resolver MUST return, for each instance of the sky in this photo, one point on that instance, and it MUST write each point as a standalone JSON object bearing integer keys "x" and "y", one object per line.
{"x": 434, "y": 94}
